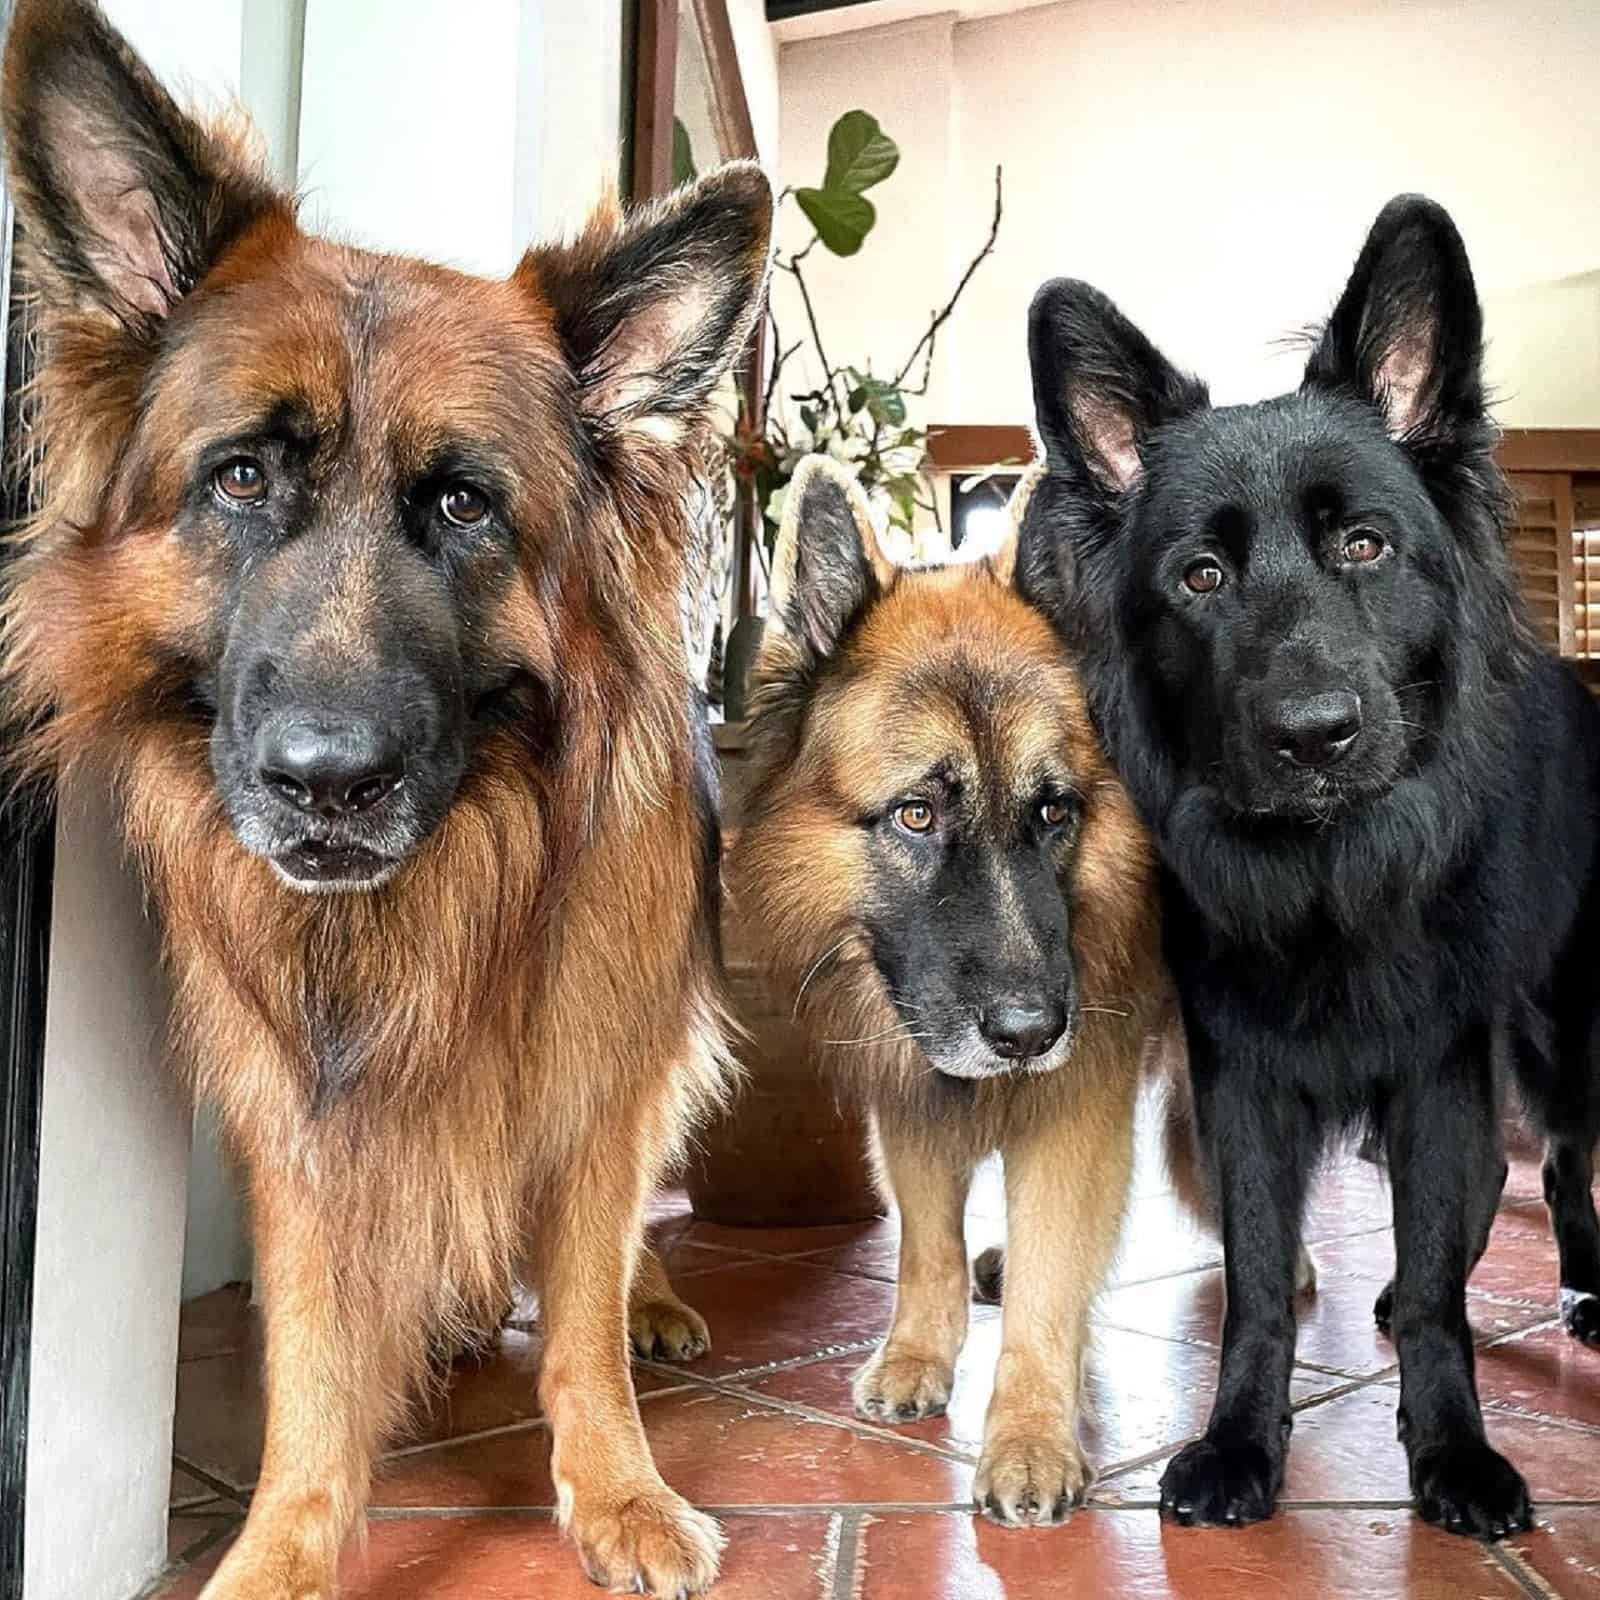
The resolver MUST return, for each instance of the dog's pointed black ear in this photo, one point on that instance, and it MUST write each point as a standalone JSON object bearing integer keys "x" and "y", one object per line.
{"x": 1407, "y": 333}
{"x": 654, "y": 307}
{"x": 125, "y": 201}
{"x": 827, "y": 565}
{"x": 1099, "y": 386}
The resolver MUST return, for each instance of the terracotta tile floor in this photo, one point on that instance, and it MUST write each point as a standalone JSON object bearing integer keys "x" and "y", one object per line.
{"x": 819, "y": 1506}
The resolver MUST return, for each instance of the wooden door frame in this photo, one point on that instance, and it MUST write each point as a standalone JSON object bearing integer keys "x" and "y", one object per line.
{"x": 649, "y": 175}
{"x": 27, "y": 856}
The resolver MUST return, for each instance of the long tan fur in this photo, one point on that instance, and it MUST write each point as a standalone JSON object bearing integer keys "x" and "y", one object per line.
{"x": 831, "y": 736}
{"x": 531, "y": 1007}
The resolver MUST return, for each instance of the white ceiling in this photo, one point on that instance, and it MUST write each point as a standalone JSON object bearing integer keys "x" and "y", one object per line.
{"x": 876, "y": 13}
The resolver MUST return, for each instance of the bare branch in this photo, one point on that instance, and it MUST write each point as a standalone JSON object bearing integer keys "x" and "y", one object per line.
{"x": 926, "y": 342}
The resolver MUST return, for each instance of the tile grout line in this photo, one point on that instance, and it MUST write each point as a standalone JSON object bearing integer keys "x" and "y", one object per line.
{"x": 1521, "y": 1574}
{"x": 847, "y": 1557}
{"x": 851, "y": 1425}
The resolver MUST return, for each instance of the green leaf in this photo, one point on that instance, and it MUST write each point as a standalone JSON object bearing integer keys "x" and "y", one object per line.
{"x": 808, "y": 418}
{"x": 860, "y": 154}
{"x": 842, "y": 219}
{"x": 683, "y": 168}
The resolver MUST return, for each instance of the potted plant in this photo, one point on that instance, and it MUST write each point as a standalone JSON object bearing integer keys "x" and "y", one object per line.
{"x": 788, "y": 1153}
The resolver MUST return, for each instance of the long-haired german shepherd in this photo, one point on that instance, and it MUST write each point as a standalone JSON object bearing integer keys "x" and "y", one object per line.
{"x": 1377, "y": 805}
{"x": 953, "y": 889}
{"x": 362, "y": 578}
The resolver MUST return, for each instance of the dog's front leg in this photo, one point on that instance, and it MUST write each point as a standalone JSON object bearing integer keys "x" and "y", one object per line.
{"x": 633, "y": 1533}
{"x": 1261, "y": 1143}
{"x": 1445, "y": 1166}
{"x": 332, "y": 1374}
{"x": 1066, "y": 1189}
{"x": 928, "y": 1176}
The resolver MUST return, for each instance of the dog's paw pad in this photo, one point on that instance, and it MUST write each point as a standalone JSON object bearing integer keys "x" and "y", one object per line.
{"x": 902, "y": 1388}
{"x": 1031, "y": 1481}
{"x": 989, "y": 1276}
{"x": 1580, "y": 1314}
{"x": 1383, "y": 1308}
{"x": 667, "y": 1330}
{"x": 1210, "y": 1483}
{"x": 654, "y": 1543}
{"x": 1468, "y": 1487}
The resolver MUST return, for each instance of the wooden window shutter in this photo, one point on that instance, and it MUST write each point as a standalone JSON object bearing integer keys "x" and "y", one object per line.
{"x": 1542, "y": 552}
{"x": 1586, "y": 567}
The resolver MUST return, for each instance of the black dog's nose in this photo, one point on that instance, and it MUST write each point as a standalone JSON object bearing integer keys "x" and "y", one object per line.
{"x": 1313, "y": 730}
{"x": 336, "y": 768}
{"x": 1018, "y": 1029}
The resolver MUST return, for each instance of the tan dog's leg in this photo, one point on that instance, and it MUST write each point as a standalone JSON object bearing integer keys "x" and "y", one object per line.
{"x": 331, "y": 1380}
{"x": 660, "y": 1326}
{"x": 1066, "y": 1188}
{"x": 633, "y": 1533}
{"x": 911, "y": 1373}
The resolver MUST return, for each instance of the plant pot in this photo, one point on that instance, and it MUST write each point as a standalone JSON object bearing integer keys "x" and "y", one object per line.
{"x": 786, "y": 1154}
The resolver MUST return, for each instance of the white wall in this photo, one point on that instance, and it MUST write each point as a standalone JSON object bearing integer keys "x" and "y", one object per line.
{"x": 113, "y": 1150}
{"x": 1213, "y": 165}
{"x": 876, "y": 303}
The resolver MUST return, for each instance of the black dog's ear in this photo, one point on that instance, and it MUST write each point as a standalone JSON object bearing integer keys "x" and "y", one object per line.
{"x": 125, "y": 201}
{"x": 1099, "y": 386}
{"x": 826, "y": 566}
{"x": 1407, "y": 334}
{"x": 654, "y": 307}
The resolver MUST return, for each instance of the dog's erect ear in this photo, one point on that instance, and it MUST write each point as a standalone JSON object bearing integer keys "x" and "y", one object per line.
{"x": 826, "y": 566}
{"x": 125, "y": 201}
{"x": 1407, "y": 334}
{"x": 652, "y": 309}
{"x": 1099, "y": 386}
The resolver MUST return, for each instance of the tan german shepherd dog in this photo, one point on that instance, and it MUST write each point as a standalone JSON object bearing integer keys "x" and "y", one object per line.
{"x": 956, "y": 897}
{"x": 361, "y": 578}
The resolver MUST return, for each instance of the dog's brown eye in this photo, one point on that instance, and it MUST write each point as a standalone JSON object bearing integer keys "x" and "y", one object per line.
{"x": 1204, "y": 577}
{"x": 1055, "y": 813}
{"x": 242, "y": 480}
{"x": 463, "y": 505}
{"x": 915, "y": 816}
{"x": 1362, "y": 547}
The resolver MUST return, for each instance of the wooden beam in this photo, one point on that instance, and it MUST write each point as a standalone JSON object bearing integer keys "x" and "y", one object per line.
{"x": 966, "y": 447}
{"x": 736, "y": 133}
{"x": 969, "y": 447}
{"x": 1550, "y": 450}
{"x": 654, "y": 90}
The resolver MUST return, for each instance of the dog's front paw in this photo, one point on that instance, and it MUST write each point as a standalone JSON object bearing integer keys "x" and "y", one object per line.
{"x": 1220, "y": 1482}
{"x": 288, "y": 1551}
{"x": 665, "y": 1329}
{"x": 895, "y": 1387}
{"x": 1468, "y": 1487}
{"x": 1383, "y": 1308}
{"x": 653, "y": 1542}
{"x": 1031, "y": 1480}
{"x": 1580, "y": 1314}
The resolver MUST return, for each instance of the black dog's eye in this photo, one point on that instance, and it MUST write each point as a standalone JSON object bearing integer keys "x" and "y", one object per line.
{"x": 1362, "y": 547}
{"x": 914, "y": 817}
{"x": 1204, "y": 577}
{"x": 241, "y": 481}
{"x": 463, "y": 506}
{"x": 1055, "y": 813}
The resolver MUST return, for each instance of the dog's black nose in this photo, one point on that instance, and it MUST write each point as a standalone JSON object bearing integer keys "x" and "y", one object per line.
{"x": 1313, "y": 730}
{"x": 335, "y": 768}
{"x": 1018, "y": 1029}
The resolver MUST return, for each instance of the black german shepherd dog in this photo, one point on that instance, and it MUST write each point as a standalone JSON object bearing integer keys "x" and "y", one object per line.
{"x": 1377, "y": 803}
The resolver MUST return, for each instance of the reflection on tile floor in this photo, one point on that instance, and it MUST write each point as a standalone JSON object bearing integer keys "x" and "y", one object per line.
{"x": 820, "y": 1506}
